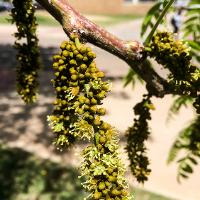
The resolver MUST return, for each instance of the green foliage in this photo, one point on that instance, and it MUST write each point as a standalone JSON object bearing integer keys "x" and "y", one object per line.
{"x": 27, "y": 46}
{"x": 177, "y": 104}
{"x": 136, "y": 136}
{"x": 166, "y": 6}
{"x": 24, "y": 176}
{"x": 131, "y": 78}
{"x": 191, "y": 28}
{"x": 188, "y": 142}
{"x": 151, "y": 17}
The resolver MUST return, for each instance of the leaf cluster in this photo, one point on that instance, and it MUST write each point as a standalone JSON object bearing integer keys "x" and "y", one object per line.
{"x": 191, "y": 28}
{"x": 177, "y": 104}
{"x": 152, "y": 16}
{"x": 188, "y": 142}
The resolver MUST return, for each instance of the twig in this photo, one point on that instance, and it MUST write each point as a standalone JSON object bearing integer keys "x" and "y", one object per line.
{"x": 129, "y": 51}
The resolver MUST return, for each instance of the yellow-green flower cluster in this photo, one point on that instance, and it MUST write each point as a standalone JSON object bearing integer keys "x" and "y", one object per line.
{"x": 80, "y": 90}
{"x": 27, "y": 46}
{"x": 136, "y": 136}
{"x": 172, "y": 54}
{"x": 102, "y": 166}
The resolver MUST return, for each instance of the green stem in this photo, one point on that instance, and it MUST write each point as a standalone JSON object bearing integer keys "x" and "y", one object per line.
{"x": 166, "y": 8}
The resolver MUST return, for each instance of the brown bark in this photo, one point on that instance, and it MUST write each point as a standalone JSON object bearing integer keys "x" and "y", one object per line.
{"x": 129, "y": 51}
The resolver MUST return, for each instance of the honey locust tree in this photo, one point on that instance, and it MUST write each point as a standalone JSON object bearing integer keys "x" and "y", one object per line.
{"x": 80, "y": 88}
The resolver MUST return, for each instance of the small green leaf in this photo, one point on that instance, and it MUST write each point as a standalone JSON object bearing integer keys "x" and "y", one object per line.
{"x": 187, "y": 168}
{"x": 130, "y": 77}
{"x": 194, "y": 45}
{"x": 147, "y": 22}
{"x": 193, "y": 160}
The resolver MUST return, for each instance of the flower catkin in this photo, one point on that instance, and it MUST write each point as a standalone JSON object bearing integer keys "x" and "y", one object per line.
{"x": 80, "y": 89}
{"x": 79, "y": 93}
{"x": 174, "y": 55}
{"x": 136, "y": 136}
{"x": 102, "y": 167}
{"x": 26, "y": 45}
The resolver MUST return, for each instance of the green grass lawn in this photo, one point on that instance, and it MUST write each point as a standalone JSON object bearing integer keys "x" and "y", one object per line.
{"x": 45, "y": 19}
{"x": 23, "y": 176}
{"x": 115, "y": 19}
{"x": 42, "y": 17}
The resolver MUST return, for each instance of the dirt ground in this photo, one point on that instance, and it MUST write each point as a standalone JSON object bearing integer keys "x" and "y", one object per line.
{"x": 26, "y": 126}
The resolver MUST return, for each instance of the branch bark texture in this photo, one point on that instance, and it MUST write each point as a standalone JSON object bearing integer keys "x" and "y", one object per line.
{"x": 129, "y": 51}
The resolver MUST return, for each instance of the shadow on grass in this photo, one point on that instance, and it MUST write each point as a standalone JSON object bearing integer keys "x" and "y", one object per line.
{"x": 8, "y": 56}
{"x": 28, "y": 122}
{"x": 25, "y": 177}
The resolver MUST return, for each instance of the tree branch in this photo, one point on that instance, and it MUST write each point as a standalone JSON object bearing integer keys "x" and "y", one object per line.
{"x": 129, "y": 51}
